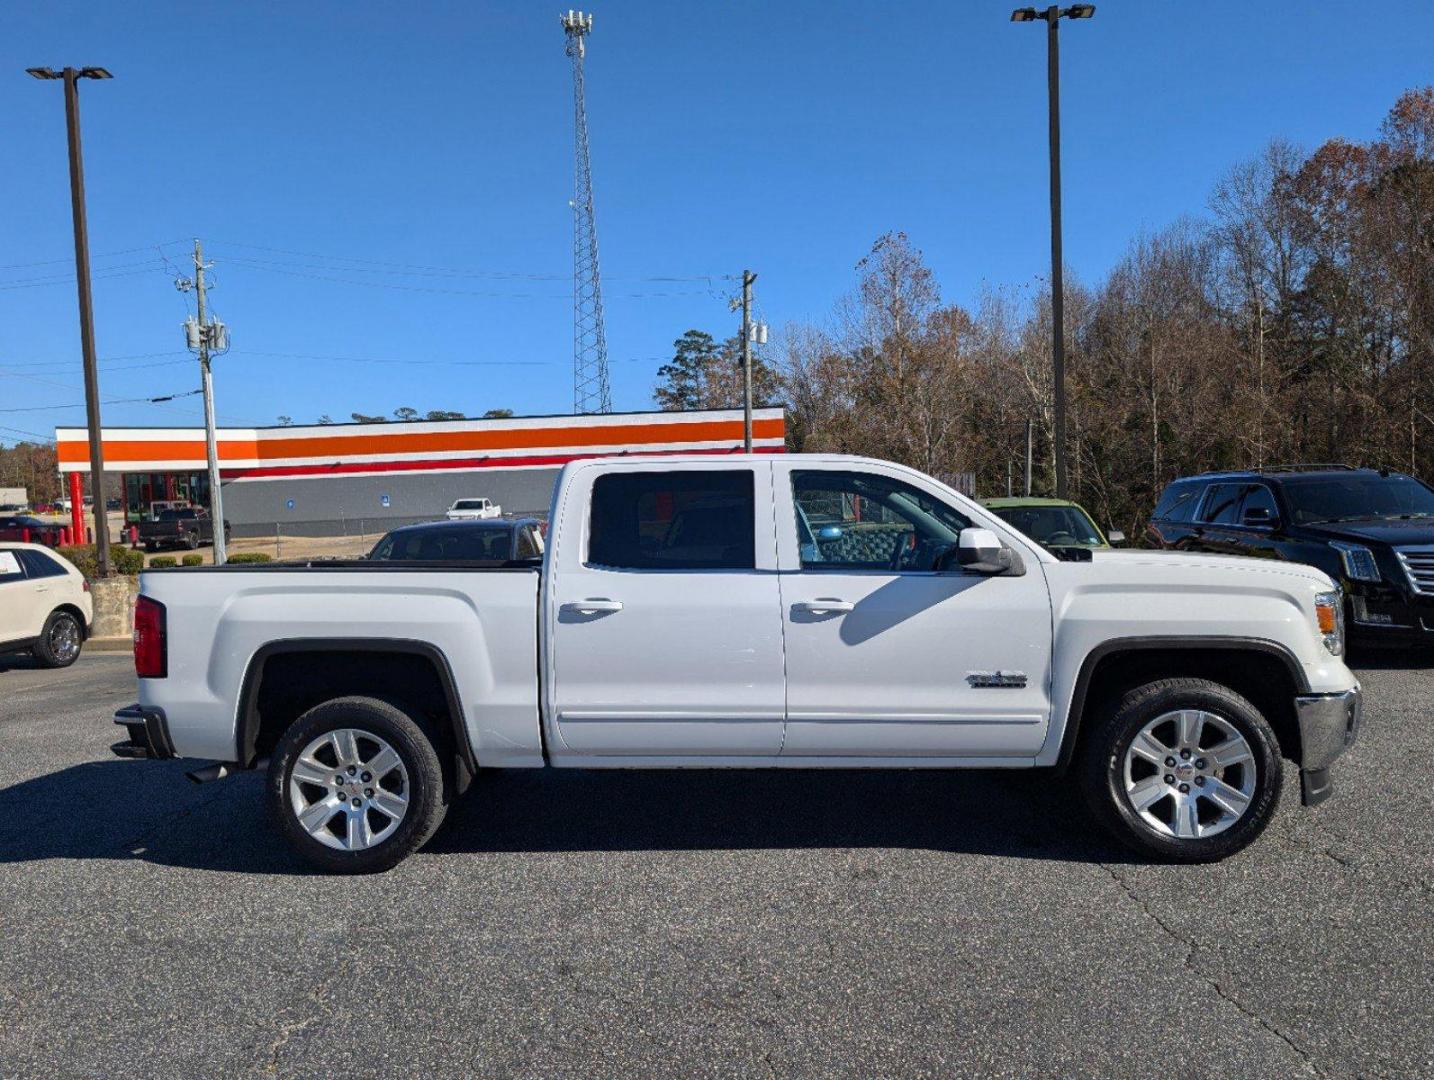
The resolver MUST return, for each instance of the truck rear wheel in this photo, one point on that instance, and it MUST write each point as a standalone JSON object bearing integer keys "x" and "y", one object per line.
{"x": 1183, "y": 770}
{"x": 356, "y": 786}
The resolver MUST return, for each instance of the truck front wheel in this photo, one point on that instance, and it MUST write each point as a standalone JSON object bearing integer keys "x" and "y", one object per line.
{"x": 1183, "y": 770}
{"x": 355, "y": 786}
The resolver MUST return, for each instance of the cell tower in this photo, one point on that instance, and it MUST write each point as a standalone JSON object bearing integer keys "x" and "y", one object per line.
{"x": 591, "y": 392}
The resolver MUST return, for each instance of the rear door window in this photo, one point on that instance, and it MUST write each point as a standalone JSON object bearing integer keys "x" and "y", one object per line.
{"x": 683, "y": 520}
{"x": 1222, "y": 505}
{"x": 37, "y": 564}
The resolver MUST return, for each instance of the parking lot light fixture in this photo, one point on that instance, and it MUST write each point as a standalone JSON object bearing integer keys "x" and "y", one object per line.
{"x": 71, "y": 77}
{"x": 1052, "y": 17}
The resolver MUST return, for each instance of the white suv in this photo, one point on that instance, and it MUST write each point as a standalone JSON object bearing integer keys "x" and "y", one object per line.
{"x": 45, "y": 604}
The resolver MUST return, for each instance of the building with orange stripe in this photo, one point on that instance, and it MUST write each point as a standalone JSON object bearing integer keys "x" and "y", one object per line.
{"x": 331, "y": 478}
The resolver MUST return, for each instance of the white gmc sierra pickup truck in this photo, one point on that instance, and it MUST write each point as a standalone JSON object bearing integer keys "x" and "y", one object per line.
{"x": 737, "y": 611}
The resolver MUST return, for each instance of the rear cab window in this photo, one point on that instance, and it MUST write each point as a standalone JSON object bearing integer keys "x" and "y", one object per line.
{"x": 680, "y": 520}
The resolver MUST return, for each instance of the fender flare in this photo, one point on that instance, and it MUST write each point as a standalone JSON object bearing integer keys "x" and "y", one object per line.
{"x": 1092, "y": 660}
{"x": 247, "y": 720}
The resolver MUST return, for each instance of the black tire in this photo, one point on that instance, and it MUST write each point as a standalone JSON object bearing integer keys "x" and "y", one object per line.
{"x": 1101, "y": 768}
{"x": 427, "y": 790}
{"x": 150, "y": 546}
{"x": 51, "y": 651}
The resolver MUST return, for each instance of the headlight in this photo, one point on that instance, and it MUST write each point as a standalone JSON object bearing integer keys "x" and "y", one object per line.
{"x": 1359, "y": 564}
{"x": 1329, "y": 617}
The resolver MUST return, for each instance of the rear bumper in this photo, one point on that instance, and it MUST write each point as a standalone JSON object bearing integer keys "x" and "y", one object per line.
{"x": 148, "y": 733}
{"x": 1329, "y": 724}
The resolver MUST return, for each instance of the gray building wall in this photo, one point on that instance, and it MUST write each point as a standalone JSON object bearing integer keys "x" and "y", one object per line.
{"x": 345, "y": 505}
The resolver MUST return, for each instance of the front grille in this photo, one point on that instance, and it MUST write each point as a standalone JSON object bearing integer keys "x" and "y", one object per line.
{"x": 1418, "y": 563}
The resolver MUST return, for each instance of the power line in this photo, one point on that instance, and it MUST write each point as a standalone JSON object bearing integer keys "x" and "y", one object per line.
{"x": 101, "y": 255}
{"x": 32, "y": 434}
{"x": 423, "y": 269}
{"x": 113, "y": 401}
{"x": 272, "y": 268}
{"x": 396, "y": 360}
{"x": 102, "y": 360}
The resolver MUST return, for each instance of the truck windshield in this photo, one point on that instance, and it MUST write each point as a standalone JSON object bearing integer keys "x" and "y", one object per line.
{"x": 1058, "y": 525}
{"x": 1350, "y": 498}
{"x": 176, "y": 515}
{"x": 468, "y": 504}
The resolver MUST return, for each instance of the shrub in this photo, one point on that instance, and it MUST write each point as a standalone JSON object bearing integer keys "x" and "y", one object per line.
{"x": 192, "y": 559}
{"x": 122, "y": 559}
{"x": 250, "y": 557}
{"x": 160, "y": 562}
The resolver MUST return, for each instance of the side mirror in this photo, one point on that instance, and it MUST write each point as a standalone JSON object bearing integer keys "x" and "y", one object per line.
{"x": 1115, "y": 536}
{"x": 1259, "y": 516}
{"x": 981, "y": 551}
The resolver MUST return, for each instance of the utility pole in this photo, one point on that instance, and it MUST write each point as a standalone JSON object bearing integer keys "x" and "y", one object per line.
{"x": 206, "y": 335}
{"x": 71, "y": 76}
{"x": 747, "y": 278}
{"x": 592, "y": 392}
{"x": 1052, "y": 16}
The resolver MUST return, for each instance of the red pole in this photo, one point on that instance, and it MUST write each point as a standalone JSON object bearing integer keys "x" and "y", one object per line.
{"x": 77, "y": 507}
{"x": 64, "y": 536}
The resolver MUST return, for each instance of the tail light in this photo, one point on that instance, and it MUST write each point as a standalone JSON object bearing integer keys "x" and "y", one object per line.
{"x": 151, "y": 650}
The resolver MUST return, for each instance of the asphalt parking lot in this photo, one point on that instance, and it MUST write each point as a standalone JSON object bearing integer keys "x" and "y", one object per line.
{"x": 664, "y": 924}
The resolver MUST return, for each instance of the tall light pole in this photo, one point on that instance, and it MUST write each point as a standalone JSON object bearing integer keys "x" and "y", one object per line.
{"x": 1053, "y": 16}
{"x": 71, "y": 76}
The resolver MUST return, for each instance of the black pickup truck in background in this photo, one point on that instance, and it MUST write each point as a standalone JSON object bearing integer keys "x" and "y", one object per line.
{"x": 1371, "y": 530}
{"x": 187, "y": 526}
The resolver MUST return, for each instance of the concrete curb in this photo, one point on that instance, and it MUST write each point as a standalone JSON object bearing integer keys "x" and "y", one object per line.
{"x": 110, "y": 644}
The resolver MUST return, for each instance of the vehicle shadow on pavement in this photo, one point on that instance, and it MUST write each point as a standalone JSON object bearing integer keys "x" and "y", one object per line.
{"x": 18, "y": 662}
{"x": 123, "y": 811}
{"x": 1389, "y": 659}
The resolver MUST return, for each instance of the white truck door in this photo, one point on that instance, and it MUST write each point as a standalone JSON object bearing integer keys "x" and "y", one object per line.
{"x": 885, "y": 656}
{"x": 663, "y": 618}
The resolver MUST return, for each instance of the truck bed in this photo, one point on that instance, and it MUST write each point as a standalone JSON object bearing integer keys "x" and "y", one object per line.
{"x": 220, "y": 622}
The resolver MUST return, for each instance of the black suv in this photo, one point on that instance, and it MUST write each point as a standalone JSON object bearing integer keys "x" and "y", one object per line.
{"x": 1371, "y": 530}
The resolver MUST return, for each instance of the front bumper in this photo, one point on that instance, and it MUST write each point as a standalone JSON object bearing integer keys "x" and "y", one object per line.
{"x": 148, "y": 733}
{"x": 1329, "y": 724}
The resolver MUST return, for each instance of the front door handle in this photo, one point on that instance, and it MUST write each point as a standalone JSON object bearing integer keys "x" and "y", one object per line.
{"x": 594, "y": 606}
{"x": 827, "y": 605}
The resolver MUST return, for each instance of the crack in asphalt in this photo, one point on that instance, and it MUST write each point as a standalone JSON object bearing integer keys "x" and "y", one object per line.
{"x": 286, "y": 1032}
{"x": 1220, "y": 991}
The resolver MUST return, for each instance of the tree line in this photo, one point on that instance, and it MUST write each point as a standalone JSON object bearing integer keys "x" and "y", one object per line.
{"x": 1291, "y": 322}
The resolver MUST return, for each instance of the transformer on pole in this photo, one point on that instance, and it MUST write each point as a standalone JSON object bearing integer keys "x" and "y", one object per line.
{"x": 591, "y": 391}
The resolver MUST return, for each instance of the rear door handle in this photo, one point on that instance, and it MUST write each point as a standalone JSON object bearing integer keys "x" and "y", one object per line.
{"x": 594, "y": 606}
{"x": 823, "y": 606}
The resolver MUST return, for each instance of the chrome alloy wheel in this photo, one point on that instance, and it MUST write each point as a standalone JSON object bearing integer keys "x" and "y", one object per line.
{"x": 1189, "y": 774}
{"x": 63, "y": 640}
{"x": 349, "y": 789}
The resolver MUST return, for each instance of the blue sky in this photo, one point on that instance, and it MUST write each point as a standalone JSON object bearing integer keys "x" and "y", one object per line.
{"x": 391, "y": 182}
